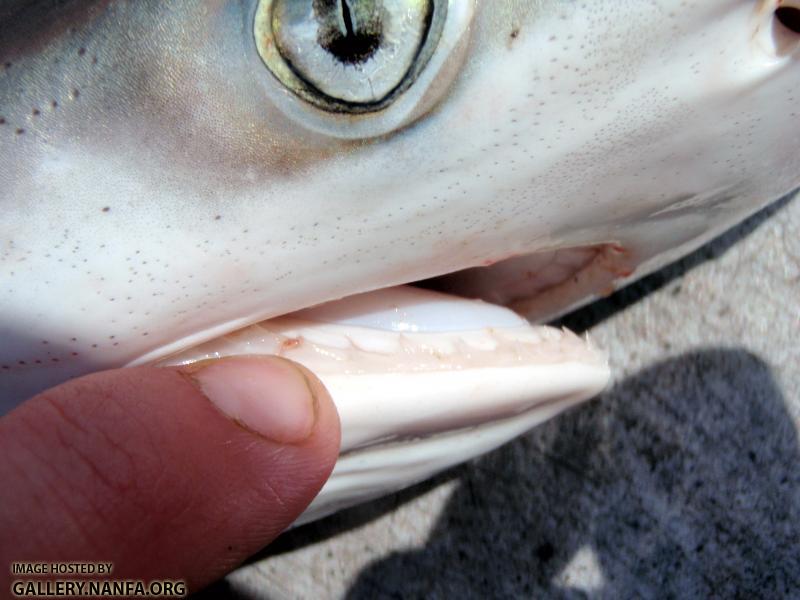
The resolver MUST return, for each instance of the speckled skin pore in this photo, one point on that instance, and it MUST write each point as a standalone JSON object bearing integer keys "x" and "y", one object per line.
{"x": 158, "y": 187}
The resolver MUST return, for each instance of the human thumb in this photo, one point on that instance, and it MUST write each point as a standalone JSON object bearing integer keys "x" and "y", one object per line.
{"x": 166, "y": 473}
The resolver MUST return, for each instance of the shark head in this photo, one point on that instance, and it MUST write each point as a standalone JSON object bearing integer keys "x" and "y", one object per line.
{"x": 175, "y": 171}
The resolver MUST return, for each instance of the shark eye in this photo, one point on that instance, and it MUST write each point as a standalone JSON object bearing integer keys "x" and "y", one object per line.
{"x": 359, "y": 68}
{"x": 350, "y": 56}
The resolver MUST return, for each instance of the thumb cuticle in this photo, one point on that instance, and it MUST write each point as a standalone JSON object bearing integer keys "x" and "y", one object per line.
{"x": 267, "y": 395}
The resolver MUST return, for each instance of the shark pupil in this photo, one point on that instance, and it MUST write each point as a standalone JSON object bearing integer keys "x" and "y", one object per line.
{"x": 352, "y": 34}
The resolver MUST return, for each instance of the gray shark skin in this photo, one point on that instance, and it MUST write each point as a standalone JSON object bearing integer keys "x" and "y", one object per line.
{"x": 156, "y": 193}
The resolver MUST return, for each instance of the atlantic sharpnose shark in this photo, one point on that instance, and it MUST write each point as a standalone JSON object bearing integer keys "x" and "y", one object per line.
{"x": 185, "y": 180}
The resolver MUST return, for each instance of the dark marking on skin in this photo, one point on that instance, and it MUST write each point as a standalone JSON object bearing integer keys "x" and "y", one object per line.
{"x": 218, "y": 217}
{"x": 106, "y": 209}
{"x": 19, "y": 131}
{"x": 514, "y": 33}
{"x": 2, "y": 121}
{"x": 36, "y": 112}
{"x": 81, "y": 51}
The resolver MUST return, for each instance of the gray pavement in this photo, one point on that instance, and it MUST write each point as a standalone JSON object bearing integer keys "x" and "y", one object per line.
{"x": 682, "y": 481}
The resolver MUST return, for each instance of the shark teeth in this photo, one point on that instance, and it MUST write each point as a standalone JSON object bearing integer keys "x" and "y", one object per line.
{"x": 331, "y": 349}
{"x": 413, "y": 400}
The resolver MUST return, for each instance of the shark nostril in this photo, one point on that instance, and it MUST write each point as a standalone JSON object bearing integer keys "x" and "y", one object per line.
{"x": 789, "y": 17}
{"x": 779, "y": 32}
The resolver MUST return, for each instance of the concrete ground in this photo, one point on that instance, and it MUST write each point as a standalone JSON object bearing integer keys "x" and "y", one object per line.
{"x": 682, "y": 481}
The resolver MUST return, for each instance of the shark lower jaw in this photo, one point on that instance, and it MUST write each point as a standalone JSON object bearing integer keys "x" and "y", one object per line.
{"x": 422, "y": 380}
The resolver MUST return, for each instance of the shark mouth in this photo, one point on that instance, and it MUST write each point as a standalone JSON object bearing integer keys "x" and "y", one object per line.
{"x": 424, "y": 380}
{"x": 545, "y": 284}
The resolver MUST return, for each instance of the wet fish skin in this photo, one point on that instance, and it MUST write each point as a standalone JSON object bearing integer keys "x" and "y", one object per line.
{"x": 155, "y": 195}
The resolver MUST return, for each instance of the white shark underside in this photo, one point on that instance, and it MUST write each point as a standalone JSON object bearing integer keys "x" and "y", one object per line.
{"x": 160, "y": 187}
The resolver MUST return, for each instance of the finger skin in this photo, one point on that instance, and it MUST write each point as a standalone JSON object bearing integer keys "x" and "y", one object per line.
{"x": 137, "y": 467}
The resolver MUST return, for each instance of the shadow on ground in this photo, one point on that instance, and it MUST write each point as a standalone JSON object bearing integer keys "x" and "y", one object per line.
{"x": 682, "y": 481}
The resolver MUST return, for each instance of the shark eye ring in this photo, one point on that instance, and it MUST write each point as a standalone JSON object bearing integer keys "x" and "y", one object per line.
{"x": 348, "y": 56}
